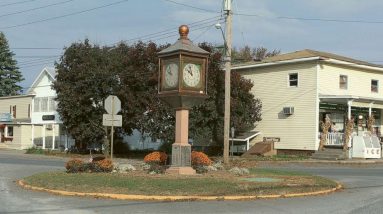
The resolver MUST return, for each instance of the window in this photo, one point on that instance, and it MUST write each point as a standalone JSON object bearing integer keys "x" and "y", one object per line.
{"x": 52, "y": 104}
{"x": 44, "y": 104}
{"x": 293, "y": 80}
{"x": 343, "y": 82}
{"x": 37, "y": 105}
{"x": 9, "y": 131}
{"x": 374, "y": 86}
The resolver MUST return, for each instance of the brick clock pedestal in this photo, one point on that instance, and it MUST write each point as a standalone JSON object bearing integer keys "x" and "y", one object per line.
{"x": 181, "y": 150}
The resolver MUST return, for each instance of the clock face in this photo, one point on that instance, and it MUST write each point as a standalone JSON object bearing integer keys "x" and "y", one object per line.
{"x": 191, "y": 75}
{"x": 171, "y": 75}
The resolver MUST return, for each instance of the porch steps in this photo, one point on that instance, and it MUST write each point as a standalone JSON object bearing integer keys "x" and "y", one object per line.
{"x": 330, "y": 154}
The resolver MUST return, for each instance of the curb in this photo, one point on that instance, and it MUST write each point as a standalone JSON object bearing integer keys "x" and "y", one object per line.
{"x": 177, "y": 198}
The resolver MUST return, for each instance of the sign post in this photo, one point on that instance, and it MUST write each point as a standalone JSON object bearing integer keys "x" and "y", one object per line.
{"x": 112, "y": 106}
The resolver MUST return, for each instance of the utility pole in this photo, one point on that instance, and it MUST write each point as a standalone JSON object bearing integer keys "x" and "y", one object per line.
{"x": 227, "y": 59}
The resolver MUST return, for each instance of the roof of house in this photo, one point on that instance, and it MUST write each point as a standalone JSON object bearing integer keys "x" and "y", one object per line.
{"x": 51, "y": 72}
{"x": 307, "y": 53}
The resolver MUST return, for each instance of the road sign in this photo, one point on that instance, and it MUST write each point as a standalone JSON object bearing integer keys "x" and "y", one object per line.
{"x": 111, "y": 120}
{"x": 112, "y": 104}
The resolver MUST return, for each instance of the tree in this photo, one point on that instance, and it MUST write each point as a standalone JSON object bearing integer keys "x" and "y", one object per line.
{"x": 82, "y": 83}
{"x": 87, "y": 74}
{"x": 10, "y": 75}
{"x": 206, "y": 120}
{"x": 247, "y": 54}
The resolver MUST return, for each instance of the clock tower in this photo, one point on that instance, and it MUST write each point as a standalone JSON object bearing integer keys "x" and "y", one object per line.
{"x": 182, "y": 84}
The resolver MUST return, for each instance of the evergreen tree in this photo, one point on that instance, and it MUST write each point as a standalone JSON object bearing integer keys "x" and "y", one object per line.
{"x": 10, "y": 75}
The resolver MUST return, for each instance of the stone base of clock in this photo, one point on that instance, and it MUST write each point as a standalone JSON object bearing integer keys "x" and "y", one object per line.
{"x": 177, "y": 170}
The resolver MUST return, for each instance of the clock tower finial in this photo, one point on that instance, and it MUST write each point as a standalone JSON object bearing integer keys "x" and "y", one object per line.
{"x": 184, "y": 31}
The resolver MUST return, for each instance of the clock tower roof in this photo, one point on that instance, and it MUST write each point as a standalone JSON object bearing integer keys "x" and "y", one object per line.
{"x": 183, "y": 44}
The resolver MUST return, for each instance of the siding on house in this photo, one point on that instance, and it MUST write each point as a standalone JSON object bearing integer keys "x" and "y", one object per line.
{"x": 26, "y": 136}
{"x": 22, "y": 103}
{"x": 359, "y": 82}
{"x": 297, "y": 131}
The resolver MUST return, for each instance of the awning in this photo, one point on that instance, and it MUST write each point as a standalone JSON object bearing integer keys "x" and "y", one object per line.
{"x": 245, "y": 137}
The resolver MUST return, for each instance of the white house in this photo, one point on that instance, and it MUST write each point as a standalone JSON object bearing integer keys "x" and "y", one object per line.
{"x": 299, "y": 89}
{"x": 32, "y": 120}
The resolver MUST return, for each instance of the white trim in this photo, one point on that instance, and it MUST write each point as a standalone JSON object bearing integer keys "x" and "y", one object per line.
{"x": 317, "y": 102}
{"x": 45, "y": 70}
{"x": 333, "y": 61}
{"x": 246, "y": 139}
{"x": 276, "y": 63}
{"x": 339, "y": 62}
{"x": 288, "y": 80}
{"x": 349, "y": 104}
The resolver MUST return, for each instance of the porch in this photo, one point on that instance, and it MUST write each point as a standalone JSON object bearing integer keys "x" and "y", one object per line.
{"x": 366, "y": 133}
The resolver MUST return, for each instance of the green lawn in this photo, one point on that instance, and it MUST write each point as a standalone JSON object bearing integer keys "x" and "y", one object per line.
{"x": 212, "y": 183}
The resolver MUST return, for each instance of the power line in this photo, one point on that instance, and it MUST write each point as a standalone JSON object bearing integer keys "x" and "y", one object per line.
{"x": 20, "y": 2}
{"x": 198, "y": 8}
{"x": 36, "y": 8}
{"x": 66, "y": 15}
{"x": 36, "y": 48}
{"x": 169, "y": 30}
{"x": 312, "y": 19}
{"x": 36, "y": 56}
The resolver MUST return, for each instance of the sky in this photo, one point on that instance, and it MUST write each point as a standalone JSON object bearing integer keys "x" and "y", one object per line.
{"x": 38, "y": 30}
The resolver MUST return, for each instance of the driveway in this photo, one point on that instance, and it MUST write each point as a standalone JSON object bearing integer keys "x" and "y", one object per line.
{"x": 363, "y": 193}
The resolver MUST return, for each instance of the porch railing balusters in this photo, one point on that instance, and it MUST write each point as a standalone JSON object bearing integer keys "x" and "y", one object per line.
{"x": 334, "y": 139}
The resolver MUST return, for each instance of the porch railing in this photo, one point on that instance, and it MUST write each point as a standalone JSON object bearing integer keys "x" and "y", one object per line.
{"x": 334, "y": 139}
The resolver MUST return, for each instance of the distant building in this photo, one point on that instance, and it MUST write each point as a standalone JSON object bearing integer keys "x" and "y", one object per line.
{"x": 32, "y": 120}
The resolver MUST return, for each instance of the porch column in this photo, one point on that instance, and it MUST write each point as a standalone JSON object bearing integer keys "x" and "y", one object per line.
{"x": 43, "y": 133}
{"x": 33, "y": 135}
{"x": 349, "y": 103}
{"x": 370, "y": 109}
{"x": 53, "y": 137}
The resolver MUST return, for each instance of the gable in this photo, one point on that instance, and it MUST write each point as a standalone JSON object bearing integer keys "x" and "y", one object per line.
{"x": 43, "y": 82}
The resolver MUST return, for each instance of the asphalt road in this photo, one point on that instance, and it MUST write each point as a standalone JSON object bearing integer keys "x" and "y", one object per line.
{"x": 363, "y": 193}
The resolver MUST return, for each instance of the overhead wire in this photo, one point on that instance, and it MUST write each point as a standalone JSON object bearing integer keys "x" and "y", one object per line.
{"x": 36, "y": 8}
{"x": 66, "y": 15}
{"x": 20, "y": 2}
{"x": 194, "y": 7}
{"x": 310, "y": 19}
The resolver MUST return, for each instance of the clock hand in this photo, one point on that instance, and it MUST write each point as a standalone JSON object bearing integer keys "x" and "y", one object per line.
{"x": 190, "y": 71}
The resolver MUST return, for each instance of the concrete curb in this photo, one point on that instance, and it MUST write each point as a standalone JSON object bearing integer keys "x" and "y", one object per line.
{"x": 177, "y": 198}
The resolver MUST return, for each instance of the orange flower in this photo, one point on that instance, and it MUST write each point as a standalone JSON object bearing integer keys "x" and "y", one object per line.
{"x": 156, "y": 157}
{"x": 200, "y": 159}
{"x": 106, "y": 165}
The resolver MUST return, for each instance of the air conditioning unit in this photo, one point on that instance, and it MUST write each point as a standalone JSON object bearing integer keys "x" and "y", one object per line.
{"x": 288, "y": 110}
{"x": 49, "y": 127}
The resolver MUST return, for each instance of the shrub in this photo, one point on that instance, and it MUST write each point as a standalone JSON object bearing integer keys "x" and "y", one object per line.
{"x": 156, "y": 158}
{"x": 74, "y": 166}
{"x": 200, "y": 159}
{"x": 34, "y": 150}
{"x": 77, "y": 165}
{"x": 105, "y": 165}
